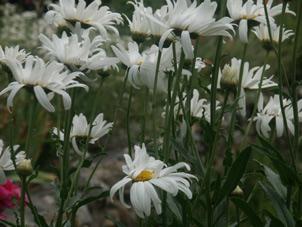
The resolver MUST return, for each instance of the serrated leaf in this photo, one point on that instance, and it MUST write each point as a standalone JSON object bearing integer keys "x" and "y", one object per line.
{"x": 249, "y": 212}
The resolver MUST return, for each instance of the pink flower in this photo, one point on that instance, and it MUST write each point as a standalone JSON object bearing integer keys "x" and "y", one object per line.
{"x": 9, "y": 194}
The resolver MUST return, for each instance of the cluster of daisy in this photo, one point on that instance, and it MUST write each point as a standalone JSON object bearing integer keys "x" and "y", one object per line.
{"x": 82, "y": 44}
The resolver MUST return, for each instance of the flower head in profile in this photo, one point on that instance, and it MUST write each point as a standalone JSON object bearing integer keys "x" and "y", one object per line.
{"x": 250, "y": 12}
{"x": 82, "y": 130}
{"x": 9, "y": 194}
{"x": 142, "y": 66}
{"x": 199, "y": 107}
{"x": 186, "y": 20}
{"x": 251, "y": 79}
{"x": 12, "y": 54}
{"x": 94, "y": 14}
{"x": 273, "y": 10}
{"x": 78, "y": 53}
{"x": 262, "y": 33}
{"x": 6, "y": 162}
{"x": 44, "y": 79}
{"x": 245, "y": 14}
{"x": 272, "y": 112}
{"x": 147, "y": 175}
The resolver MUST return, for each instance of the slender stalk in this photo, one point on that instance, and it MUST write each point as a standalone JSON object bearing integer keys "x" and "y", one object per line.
{"x": 281, "y": 86}
{"x": 74, "y": 183}
{"x": 154, "y": 96}
{"x": 244, "y": 140}
{"x": 31, "y": 116}
{"x": 294, "y": 79}
{"x": 237, "y": 97}
{"x": 144, "y": 117}
{"x": 175, "y": 91}
{"x": 65, "y": 160}
{"x": 118, "y": 104}
{"x": 22, "y": 201}
{"x": 214, "y": 79}
{"x": 128, "y": 121}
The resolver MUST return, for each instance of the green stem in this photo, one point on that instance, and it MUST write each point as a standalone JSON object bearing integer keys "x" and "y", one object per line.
{"x": 154, "y": 97}
{"x": 244, "y": 140}
{"x": 128, "y": 121}
{"x": 294, "y": 79}
{"x": 237, "y": 97}
{"x": 65, "y": 160}
{"x": 118, "y": 105}
{"x": 22, "y": 201}
{"x": 281, "y": 86}
{"x": 31, "y": 116}
{"x": 175, "y": 91}
{"x": 144, "y": 117}
{"x": 214, "y": 79}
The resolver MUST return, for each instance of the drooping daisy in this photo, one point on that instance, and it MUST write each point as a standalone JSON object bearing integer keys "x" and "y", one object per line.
{"x": 262, "y": 33}
{"x": 6, "y": 162}
{"x": 44, "y": 79}
{"x": 188, "y": 20}
{"x": 142, "y": 66}
{"x": 96, "y": 15}
{"x": 273, "y": 10}
{"x": 251, "y": 78}
{"x": 74, "y": 52}
{"x": 200, "y": 108}
{"x": 272, "y": 111}
{"x": 81, "y": 130}
{"x": 139, "y": 26}
{"x": 147, "y": 175}
{"x": 12, "y": 54}
{"x": 245, "y": 13}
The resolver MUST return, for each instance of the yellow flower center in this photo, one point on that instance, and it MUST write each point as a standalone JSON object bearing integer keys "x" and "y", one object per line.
{"x": 145, "y": 175}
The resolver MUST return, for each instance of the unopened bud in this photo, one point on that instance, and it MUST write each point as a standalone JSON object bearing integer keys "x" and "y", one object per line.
{"x": 237, "y": 191}
{"x": 24, "y": 167}
{"x": 229, "y": 78}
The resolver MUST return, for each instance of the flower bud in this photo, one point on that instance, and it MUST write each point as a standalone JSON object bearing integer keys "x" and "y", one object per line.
{"x": 24, "y": 167}
{"x": 229, "y": 78}
{"x": 237, "y": 191}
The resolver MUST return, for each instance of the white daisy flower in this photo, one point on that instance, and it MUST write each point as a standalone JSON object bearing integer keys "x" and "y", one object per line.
{"x": 142, "y": 66}
{"x": 12, "y": 54}
{"x": 139, "y": 25}
{"x": 273, "y": 10}
{"x": 147, "y": 175}
{"x": 81, "y": 129}
{"x": 272, "y": 111}
{"x": 189, "y": 19}
{"x": 262, "y": 33}
{"x": 6, "y": 162}
{"x": 80, "y": 53}
{"x": 247, "y": 12}
{"x": 200, "y": 108}
{"x": 44, "y": 79}
{"x": 251, "y": 78}
{"x": 94, "y": 15}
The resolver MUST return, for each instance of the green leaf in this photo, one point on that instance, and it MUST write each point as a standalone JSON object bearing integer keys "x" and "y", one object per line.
{"x": 275, "y": 181}
{"x": 236, "y": 172}
{"x": 279, "y": 205}
{"x": 92, "y": 198}
{"x": 287, "y": 174}
{"x": 174, "y": 208}
{"x": 249, "y": 212}
{"x": 272, "y": 221}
